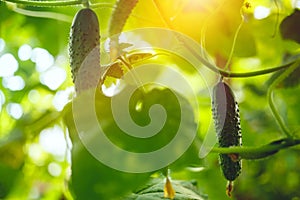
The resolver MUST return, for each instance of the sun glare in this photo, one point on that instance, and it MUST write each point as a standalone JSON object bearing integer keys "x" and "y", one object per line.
{"x": 261, "y": 12}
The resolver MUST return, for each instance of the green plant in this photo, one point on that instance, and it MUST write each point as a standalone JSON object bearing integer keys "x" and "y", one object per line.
{"x": 269, "y": 103}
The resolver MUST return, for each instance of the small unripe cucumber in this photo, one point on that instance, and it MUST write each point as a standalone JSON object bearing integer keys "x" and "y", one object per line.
{"x": 84, "y": 50}
{"x": 120, "y": 15}
{"x": 227, "y": 124}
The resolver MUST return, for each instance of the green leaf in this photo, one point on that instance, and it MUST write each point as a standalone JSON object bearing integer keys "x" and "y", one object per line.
{"x": 185, "y": 190}
{"x": 92, "y": 178}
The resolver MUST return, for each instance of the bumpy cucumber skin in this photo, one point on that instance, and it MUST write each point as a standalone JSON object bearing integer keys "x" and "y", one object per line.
{"x": 227, "y": 124}
{"x": 84, "y": 50}
{"x": 120, "y": 15}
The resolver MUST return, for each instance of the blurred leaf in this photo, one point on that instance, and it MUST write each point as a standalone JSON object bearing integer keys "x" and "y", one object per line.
{"x": 101, "y": 181}
{"x": 26, "y": 169}
{"x": 185, "y": 190}
{"x": 291, "y": 81}
{"x": 41, "y": 30}
{"x": 123, "y": 182}
{"x": 290, "y": 27}
{"x": 8, "y": 179}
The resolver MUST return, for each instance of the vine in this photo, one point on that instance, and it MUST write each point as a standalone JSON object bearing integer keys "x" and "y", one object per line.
{"x": 44, "y": 14}
{"x": 258, "y": 152}
{"x": 128, "y": 61}
{"x": 270, "y": 95}
{"x": 289, "y": 66}
{"x": 248, "y": 152}
{"x": 46, "y": 3}
{"x": 203, "y": 60}
{"x": 235, "y": 39}
{"x": 213, "y": 67}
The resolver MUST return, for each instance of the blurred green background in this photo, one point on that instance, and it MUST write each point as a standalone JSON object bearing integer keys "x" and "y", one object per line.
{"x": 36, "y": 84}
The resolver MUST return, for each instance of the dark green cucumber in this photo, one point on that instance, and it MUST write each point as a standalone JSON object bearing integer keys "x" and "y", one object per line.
{"x": 227, "y": 124}
{"x": 84, "y": 50}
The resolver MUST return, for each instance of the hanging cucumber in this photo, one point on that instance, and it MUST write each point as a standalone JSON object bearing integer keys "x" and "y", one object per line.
{"x": 120, "y": 15}
{"x": 90, "y": 178}
{"x": 227, "y": 124}
{"x": 84, "y": 50}
{"x": 122, "y": 10}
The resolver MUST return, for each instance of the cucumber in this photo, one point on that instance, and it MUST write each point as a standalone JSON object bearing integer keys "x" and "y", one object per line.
{"x": 227, "y": 124}
{"x": 84, "y": 50}
{"x": 121, "y": 13}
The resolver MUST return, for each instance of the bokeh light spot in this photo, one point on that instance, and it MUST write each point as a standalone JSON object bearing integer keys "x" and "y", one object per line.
{"x": 53, "y": 77}
{"x": 261, "y": 12}
{"x": 25, "y": 52}
{"x": 14, "y": 83}
{"x": 2, "y": 99}
{"x": 62, "y": 97}
{"x": 34, "y": 96}
{"x": 8, "y": 65}
{"x": 53, "y": 141}
{"x": 2, "y": 44}
{"x": 54, "y": 169}
{"x": 15, "y": 110}
{"x": 42, "y": 58}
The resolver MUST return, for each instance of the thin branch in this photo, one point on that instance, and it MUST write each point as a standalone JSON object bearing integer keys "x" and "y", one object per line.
{"x": 277, "y": 18}
{"x": 44, "y": 14}
{"x": 204, "y": 29}
{"x": 230, "y": 74}
{"x": 275, "y": 112}
{"x": 258, "y": 152}
{"x": 211, "y": 66}
{"x": 235, "y": 39}
{"x": 102, "y": 5}
{"x": 45, "y": 3}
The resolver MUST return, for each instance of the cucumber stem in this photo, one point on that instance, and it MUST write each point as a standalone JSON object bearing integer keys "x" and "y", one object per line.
{"x": 287, "y": 142}
{"x": 86, "y": 3}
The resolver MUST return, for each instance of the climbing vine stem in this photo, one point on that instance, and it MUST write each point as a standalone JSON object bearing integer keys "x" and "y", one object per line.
{"x": 235, "y": 39}
{"x": 270, "y": 97}
{"x": 46, "y": 3}
{"x": 211, "y": 66}
{"x": 260, "y": 151}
